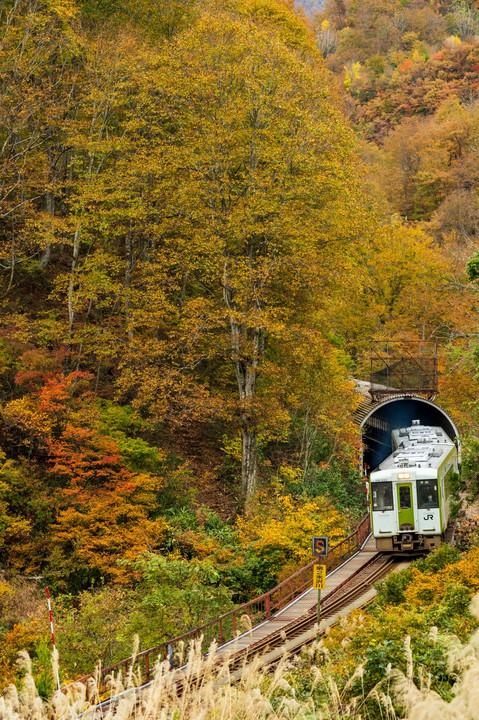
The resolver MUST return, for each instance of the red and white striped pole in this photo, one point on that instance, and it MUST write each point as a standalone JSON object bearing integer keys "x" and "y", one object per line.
{"x": 53, "y": 637}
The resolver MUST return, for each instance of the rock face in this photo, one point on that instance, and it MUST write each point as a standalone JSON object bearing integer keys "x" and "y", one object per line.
{"x": 310, "y": 7}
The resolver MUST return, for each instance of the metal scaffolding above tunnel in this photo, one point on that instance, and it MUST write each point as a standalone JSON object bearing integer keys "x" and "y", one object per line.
{"x": 403, "y": 367}
{"x": 402, "y": 387}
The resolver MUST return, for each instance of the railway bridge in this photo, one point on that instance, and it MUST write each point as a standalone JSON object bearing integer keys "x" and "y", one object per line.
{"x": 286, "y": 616}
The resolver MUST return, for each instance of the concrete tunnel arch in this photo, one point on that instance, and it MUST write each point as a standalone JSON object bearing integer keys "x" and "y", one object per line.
{"x": 379, "y": 419}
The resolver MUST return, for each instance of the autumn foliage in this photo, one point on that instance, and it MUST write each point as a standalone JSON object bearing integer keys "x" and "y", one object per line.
{"x": 280, "y": 530}
{"x": 196, "y": 249}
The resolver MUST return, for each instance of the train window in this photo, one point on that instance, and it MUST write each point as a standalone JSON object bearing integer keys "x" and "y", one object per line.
{"x": 427, "y": 495}
{"x": 405, "y": 497}
{"x": 382, "y": 496}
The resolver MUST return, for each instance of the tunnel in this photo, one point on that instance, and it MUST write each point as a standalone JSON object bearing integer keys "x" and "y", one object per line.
{"x": 381, "y": 418}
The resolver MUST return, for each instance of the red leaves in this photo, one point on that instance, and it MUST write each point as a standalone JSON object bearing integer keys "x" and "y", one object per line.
{"x": 83, "y": 456}
{"x": 406, "y": 65}
{"x": 104, "y": 506}
{"x": 96, "y": 509}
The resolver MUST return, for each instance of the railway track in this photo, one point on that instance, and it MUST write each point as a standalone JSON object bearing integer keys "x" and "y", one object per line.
{"x": 335, "y": 602}
{"x": 348, "y": 586}
{"x": 287, "y": 601}
{"x": 355, "y": 591}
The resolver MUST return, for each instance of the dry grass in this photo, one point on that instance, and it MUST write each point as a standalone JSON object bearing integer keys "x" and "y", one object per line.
{"x": 423, "y": 704}
{"x": 260, "y": 695}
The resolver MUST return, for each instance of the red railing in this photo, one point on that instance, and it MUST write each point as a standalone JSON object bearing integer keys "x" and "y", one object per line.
{"x": 231, "y": 624}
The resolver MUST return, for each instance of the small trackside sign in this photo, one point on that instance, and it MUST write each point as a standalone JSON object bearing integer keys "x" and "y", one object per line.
{"x": 320, "y": 546}
{"x": 319, "y": 577}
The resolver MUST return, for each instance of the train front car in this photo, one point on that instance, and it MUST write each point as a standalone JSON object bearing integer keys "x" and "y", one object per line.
{"x": 408, "y": 490}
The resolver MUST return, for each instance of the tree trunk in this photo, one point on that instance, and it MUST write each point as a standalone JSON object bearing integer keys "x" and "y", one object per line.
{"x": 45, "y": 256}
{"x": 47, "y": 252}
{"x": 127, "y": 282}
{"x": 246, "y": 373}
{"x": 71, "y": 283}
{"x": 248, "y": 464}
{"x": 246, "y": 344}
{"x": 50, "y": 208}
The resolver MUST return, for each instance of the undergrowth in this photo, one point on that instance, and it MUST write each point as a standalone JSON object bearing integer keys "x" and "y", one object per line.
{"x": 300, "y": 688}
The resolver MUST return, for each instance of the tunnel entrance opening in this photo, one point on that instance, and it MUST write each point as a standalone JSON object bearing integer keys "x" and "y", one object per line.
{"x": 398, "y": 412}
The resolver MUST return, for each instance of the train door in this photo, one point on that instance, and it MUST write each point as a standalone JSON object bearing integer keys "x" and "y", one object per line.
{"x": 405, "y": 507}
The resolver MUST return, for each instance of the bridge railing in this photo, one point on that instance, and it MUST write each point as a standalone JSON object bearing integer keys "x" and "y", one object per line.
{"x": 224, "y": 628}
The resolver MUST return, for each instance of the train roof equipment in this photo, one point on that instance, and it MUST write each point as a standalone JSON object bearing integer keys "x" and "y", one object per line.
{"x": 418, "y": 446}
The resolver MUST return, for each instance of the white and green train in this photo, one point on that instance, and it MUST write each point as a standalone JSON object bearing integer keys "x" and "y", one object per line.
{"x": 409, "y": 498}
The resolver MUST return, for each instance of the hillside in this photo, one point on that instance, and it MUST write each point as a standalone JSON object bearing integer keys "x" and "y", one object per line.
{"x": 204, "y": 220}
{"x": 410, "y": 77}
{"x": 311, "y": 7}
{"x": 399, "y": 59}
{"x": 172, "y": 261}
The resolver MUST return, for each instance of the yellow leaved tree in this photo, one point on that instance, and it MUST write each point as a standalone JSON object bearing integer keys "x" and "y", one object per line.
{"x": 253, "y": 174}
{"x": 280, "y": 528}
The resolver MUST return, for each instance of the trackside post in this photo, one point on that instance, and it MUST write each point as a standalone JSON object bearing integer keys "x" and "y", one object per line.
{"x": 320, "y": 549}
{"x": 53, "y": 636}
{"x": 319, "y": 583}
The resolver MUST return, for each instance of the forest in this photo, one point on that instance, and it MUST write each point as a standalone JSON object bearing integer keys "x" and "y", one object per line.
{"x": 208, "y": 210}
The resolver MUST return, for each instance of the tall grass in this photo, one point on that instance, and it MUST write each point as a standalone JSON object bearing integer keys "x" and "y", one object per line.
{"x": 423, "y": 704}
{"x": 260, "y": 694}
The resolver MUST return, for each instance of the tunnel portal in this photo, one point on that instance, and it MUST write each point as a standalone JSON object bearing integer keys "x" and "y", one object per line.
{"x": 381, "y": 418}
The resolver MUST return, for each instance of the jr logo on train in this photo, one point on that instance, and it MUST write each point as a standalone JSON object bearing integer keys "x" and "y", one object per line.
{"x": 409, "y": 490}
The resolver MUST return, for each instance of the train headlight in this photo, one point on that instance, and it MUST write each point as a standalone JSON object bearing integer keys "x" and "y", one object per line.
{"x": 404, "y": 476}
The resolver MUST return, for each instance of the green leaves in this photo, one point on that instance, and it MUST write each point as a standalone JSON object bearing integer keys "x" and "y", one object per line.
{"x": 472, "y": 268}
{"x": 194, "y": 589}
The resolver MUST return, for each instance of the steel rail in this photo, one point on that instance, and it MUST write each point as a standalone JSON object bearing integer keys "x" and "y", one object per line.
{"x": 340, "y": 598}
{"x": 304, "y": 629}
{"x": 226, "y": 627}
{"x": 336, "y": 600}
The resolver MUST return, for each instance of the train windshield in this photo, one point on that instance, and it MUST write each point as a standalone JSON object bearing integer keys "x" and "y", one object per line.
{"x": 427, "y": 495}
{"x": 382, "y": 493}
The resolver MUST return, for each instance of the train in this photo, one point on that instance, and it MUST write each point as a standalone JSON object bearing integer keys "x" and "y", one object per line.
{"x": 408, "y": 492}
